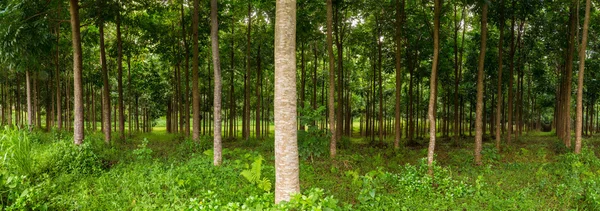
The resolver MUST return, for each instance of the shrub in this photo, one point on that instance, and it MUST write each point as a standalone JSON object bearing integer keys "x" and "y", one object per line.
{"x": 70, "y": 158}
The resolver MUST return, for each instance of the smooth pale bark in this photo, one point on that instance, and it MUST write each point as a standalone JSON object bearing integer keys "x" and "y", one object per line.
{"x": 397, "y": 122}
{"x": 331, "y": 93}
{"x": 29, "y": 103}
{"x": 214, "y": 40}
{"x": 105, "y": 88}
{"x": 479, "y": 107}
{"x": 433, "y": 86}
{"x": 78, "y": 133}
{"x": 499, "y": 96}
{"x": 287, "y": 167}
{"x": 195, "y": 91}
{"x": 579, "y": 123}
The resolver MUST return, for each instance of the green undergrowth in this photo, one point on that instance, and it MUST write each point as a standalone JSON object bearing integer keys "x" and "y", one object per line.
{"x": 159, "y": 171}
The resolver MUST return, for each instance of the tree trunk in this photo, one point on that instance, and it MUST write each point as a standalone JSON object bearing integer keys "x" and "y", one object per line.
{"x": 331, "y": 93}
{"x": 29, "y": 103}
{"x": 246, "y": 118}
{"x": 582, "y": 47}
{"x": 479, "y": 110}
{"x": 510, "y": 78}
{"x": 287, "y": 180}
{"x": 106, "y": 88}
{"x": 433, "y": 86}
{"x": 500, "y": 96}
{"x": 195, "y": 91}
{"x": 120, "y": 78}
{"x": 214, "y": 40}
{"x": 186, "y": 104}
{"x": 77, "y": 67}
{"x": 566, "y": 113}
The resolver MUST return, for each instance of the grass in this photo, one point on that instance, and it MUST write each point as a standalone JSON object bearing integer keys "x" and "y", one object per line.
{"x": 170, "y": 172}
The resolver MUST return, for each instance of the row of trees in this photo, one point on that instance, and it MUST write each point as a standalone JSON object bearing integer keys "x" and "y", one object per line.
{"x": 351, "y": 60}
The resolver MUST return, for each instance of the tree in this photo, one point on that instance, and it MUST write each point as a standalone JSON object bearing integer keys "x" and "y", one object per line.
{"x": 582, "y": 47}
{"x": 78, "y": 133}
{"x": 105, "y": 87}
{"x": 195, "y": 90}
{"x": 433, "y": 85}
{"x": 479, "y": 109}
{"x": 286, "y": 144}
{"x": 120, "y": 75}
{"x": 499, "y": 96}
{"x": 214, "y": 38}
{"x": 399, "y": 19}
{"x": 331, "y": 93}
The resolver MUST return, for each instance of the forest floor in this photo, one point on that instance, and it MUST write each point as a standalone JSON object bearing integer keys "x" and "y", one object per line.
{"x": 165, "y": 171}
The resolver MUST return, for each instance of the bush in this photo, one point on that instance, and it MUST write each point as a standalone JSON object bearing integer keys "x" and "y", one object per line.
{"x": 70, "y": 158}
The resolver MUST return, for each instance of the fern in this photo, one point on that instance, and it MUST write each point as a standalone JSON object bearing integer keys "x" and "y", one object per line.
{"x": 253, "y": 175}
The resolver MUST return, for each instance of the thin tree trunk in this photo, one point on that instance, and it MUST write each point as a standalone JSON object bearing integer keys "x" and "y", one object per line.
{"x": 186, "y": 104}
{"x": 120, "y": 77}
{"x": 195, "y": 91}
{"x": 29, "y": 103}
{"x": 331, "y": 93}
{"x": 500, "y": 96}
{"x": 246, "y": 118}
{"x": 106, "y": 88}
{"x": 479, "y": 110}
{"x": 582, "y": 47}
{"x": 433, "y": 86}
{"x": 214, "y": 40}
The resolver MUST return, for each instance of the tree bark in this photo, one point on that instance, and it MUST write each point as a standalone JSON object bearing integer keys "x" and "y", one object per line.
{"x": 566, "y": 104}
{"x": 214, "y": 40}
{"x": 246, "y": 118}
{"x": 120, "y": 77}
{"x": 331, "y": 93}
{"x": 29, "y": 103}
{"x": 287, "y": 180}
{"x": 433, "y": 86}
{"x": 510, "y": 78}
{"x": 106, "y": 88}
{"x": 500, "y": 96}
{"x": 582, "y": 47}
{"x": 479, "y": 109}
{"x": 195, "y": 91}
{"x": 78, "y": 133}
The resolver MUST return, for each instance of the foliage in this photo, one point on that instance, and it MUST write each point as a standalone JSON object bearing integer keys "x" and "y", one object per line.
{"x": 313, "y": 142}
{"x": 143, "y": 153}
{"x": 252, "y": 174}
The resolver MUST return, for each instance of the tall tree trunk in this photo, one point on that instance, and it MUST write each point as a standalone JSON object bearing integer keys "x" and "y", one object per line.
{"x": 195, "y": 91}
{"x": 29, "y": 103}
{"x": 566, "y": 114}
{"x": 258, "y": 93}
{"x": 510, "y": 78}
{"x": 232, "y": 101}
{"x": 433, "y": 86}
{"x": 287, "y": 180}
{"x": 302, "y": 82}
{"x": 582, "y": 47}
{"x": 105, "y": 87}
{"x": 120, "y": 77}
{"x": 246, "y": 118}
{"x": 214, "y": 40}
{"x": 186, "y": 104}
{"x": 500, "y": 96}
{"x": 77, "y": 67}
{"x": 379, "y": 43}
{"x": 479, "y": 110}
{"x": 331, "y": 93}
